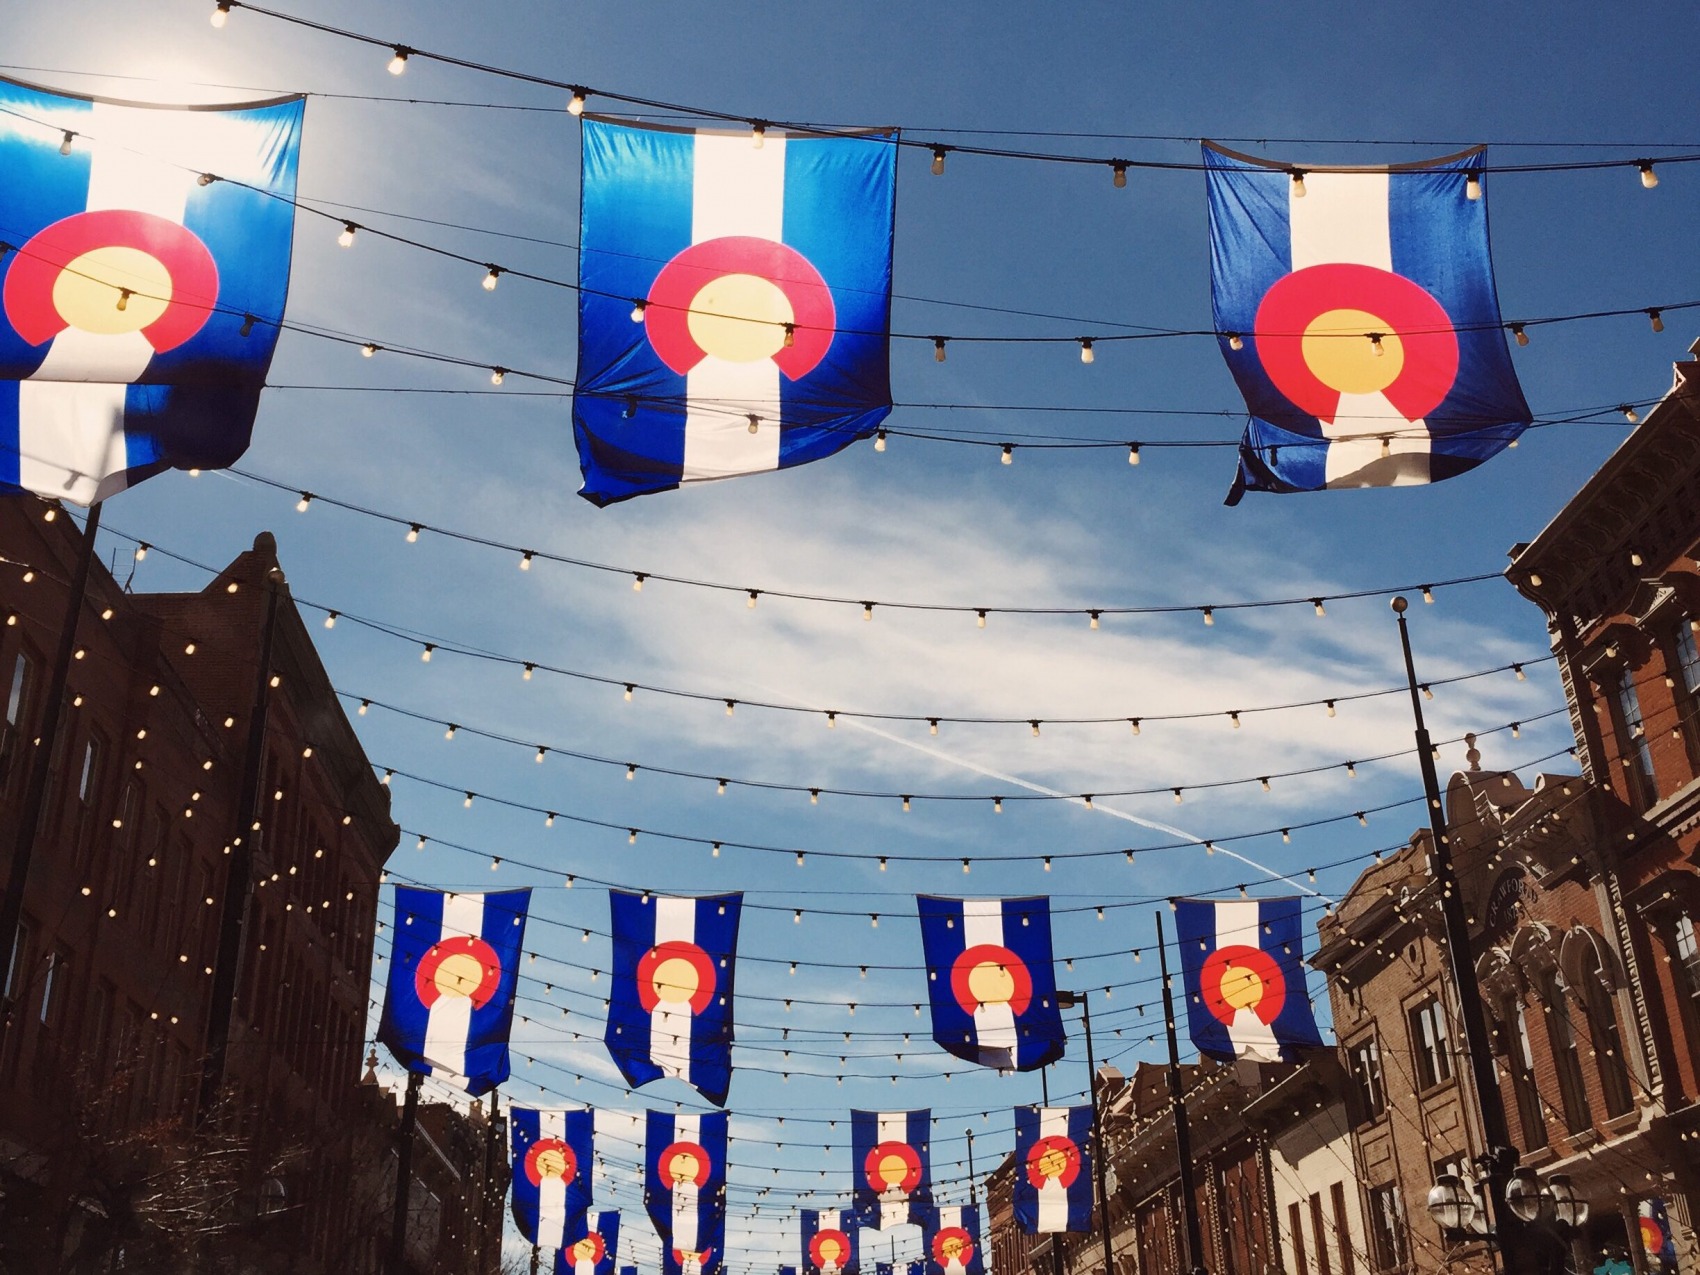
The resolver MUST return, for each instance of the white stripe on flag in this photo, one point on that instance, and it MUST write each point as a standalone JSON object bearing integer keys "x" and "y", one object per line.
{"x": 686, "y": 1129}
{"x": 893, "y": 1126}
{"x": 71, "y": 409}
{"x": 670, "y": 1024}
{"x": 552, "y": 1191}
{"x": 1053, "y": 1195}
{"x": 994, "y": 1025}
{"x": 449, "y": 1021}
{"x": 1344, "y": 217}
{"x": 1237, "y": 925}
{"x": 736, "y": 189}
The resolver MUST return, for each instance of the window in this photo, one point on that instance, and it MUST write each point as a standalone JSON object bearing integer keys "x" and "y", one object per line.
{"x": 1295, "y": 1228}
{"x": 1685, "y": 946}
{"x": 88, "y": 795}
{"x": 1601, "y": 1014}
{"x": 53, "y": 987}
{"x": 1561, "y": 1035}
{"x": 1323, "y": 1265}
{"x": 1429, "y": 1044}
{"x": 1342, "y": 1229}
{"x": 19, "y": 959}
{"x": 22, "y": 684}
{"x": 1522, "y": 1059}
{"x": 1363, "y": 1061}
{"x": 1686, "y": 674}
{"x": 1387, "y": 1226}
{"x": 1637, "y": 755}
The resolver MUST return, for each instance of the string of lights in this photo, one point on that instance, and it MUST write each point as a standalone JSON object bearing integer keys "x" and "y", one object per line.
{"x": 493, "y": 272}
{"x": 630, "y": 687}
{"x": 815, "y": 792}
{"x": 580, "y": 95}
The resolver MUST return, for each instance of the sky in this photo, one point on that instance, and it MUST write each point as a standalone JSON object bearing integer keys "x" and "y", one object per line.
{"x": 988, "y": 248}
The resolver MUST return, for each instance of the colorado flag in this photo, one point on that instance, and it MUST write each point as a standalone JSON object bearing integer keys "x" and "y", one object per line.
{"x": 685, "y": 1189}
{"x": 553, "y": 1152}
{"x": 449, "y": 1002}
{"x": 1053, "y": 1169}
{"x": 139, "y": 307}
{"x": 993, "y": 991}
{"x": 1357, "y": 312}
{"x": 592, "y": 1251}
{"x": 734, "y": 303}
{"x": 889, "y": 1150}
{"x": 951, "y": 1238}
{"x": 1242, "y": 960}
{"x": 829, "y": 1242}
{"x": 670, "y": 1010}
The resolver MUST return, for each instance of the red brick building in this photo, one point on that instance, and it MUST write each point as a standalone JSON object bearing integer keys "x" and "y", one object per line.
{"x": 1617, "y": 578}
{"x": 108, "y": 988}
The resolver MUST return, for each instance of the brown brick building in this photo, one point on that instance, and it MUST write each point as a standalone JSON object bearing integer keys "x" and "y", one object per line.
{"x": 108, "y": 988}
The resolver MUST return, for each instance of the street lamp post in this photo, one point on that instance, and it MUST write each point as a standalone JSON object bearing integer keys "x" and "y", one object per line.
{"x": 973, "y": 1199}
{"x": 1500, "y": 1156}
{"x": 1067, "y": 1000}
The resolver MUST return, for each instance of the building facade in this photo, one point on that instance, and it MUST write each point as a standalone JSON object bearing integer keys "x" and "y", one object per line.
{"x": 104, "y": 1143}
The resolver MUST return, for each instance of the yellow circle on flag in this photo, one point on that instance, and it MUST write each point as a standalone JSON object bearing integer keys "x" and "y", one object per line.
{"x": 1337, "y": 350}
{"x": 458, "y": 974}
{"x": 740, "y": 318}
{"x": 88, "y": 290}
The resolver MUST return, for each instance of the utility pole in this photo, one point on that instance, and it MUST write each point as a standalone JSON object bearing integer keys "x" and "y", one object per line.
{"x": 1500, "y": 1158}
{"x": 1177, "y": 1104}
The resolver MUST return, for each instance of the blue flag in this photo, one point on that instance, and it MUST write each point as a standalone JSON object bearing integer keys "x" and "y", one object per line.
{"x": 1053, "y": 1169}
{"x": 1658, "y": 1245}
{"x": 829, "y": 1242}
{"x": 993, "y": 989}
{"x": 670, "y": 1009}
{"x": 139, "y": 308}
{"x": 1243, "y": 963}
{"x": 449, "y": 1002}
{"x": 552, "y": 1156}
{"x": 734, "y": 304}
{"x": 893, "y": 1166}
{"x": 591, "y": 1252}
{"x": 951, "y": 1238}
{"x": 685, "y": 1189}
{"x": 1359, "y": 317}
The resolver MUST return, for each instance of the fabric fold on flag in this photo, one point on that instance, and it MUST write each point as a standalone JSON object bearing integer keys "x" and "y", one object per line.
{"x": 685, "y": 1189}
{"x": 893, "y": 1166}
{"x": 591, "y": 1251}
{"x": 1357, "y": 312}
{"x": 140, "y": 303}
{"x": 552, "y": 1156}
{"x": 1053, "y": 1169}
{"x": 829, "y": 1242}
{"x": 991, "y": 980}
{"x": 734, "y": 301}
{"x": 670, "y": 1007}
{"x": 950, "y": 1238}
{"x": 1242, "y": 961}
{"x": 449, "y": 1001}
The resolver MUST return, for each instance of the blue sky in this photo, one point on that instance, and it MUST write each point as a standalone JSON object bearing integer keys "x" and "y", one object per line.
{"x": 921, "y": 522}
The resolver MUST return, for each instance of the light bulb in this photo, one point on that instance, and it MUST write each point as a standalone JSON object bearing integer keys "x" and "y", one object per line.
{"x": 1086, "y": 355}
{"x": 755, "y": 422}
{"x": 413, "y": 531}
{"x": 221, "y": 14}
{"x": 1008, "y": 454}
{"x": 398, "y": 63}
{"x": 1317, "y": 603}
{"x": 980, "y": 619}
{"x": 938, "y": 161}
{"x": 1518, "y": 332}
{"x": 1236, "y": 341}
{"x": 758, "y": 134}
{"x": 525, "y": 560}
{"x": 1133, "y": 453}
{"x": 368, "y": 350}
{"x": 638, "y": 578}
{"x": 1629, "y": 413}
{"x": 1118, "y": 175}
{"x": 124, "y": 295}
{"x": 306, "y": 499}
{"x": 1649, "y": 178}
{"x": 1092, "y": 619}
{"x": 638, "y": 309}
{"x": 938, "y": 349}
{"x": 492, "y": 278}
{"x": 1657, "y": 319}
{"x": 576, "y": 105}
{"x": 346, "y": 238}
{"x": 879, "y": 441}
{"x": 1472, "y": 185}
{"x": 1134, "y": 723}
{"x": 65, "y": 146}
{"x": 1428, "y": 594}
{"x": 1330, "y": 704}
{"x": 450, "y": 732}
{"x": 1298, "y": 183}
{"x": 1386, "y": 447}
{"x": 1234, "y": 717}
{"x": 498, "y": 375}
{"x": 1210, "y": 615}
{"x": 1375, "y": 345}
{"x": 330, "y": 619}
{"x": 425, "y": 654}
{"x": 867, "y": 610}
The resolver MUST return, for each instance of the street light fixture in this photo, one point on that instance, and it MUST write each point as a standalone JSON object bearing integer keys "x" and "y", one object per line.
{"x": 1526, "y": 1198}
{"x": 1569, "y": 1208}
{"x": 1451, "y": 1203}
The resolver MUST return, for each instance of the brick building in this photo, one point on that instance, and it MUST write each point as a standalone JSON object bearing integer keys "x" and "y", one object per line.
{"x": 1616, "y": 575}
{"x": 108, "y": 987}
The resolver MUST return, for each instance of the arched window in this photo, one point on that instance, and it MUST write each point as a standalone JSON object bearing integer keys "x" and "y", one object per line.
{"x": 1591, "y": 970}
